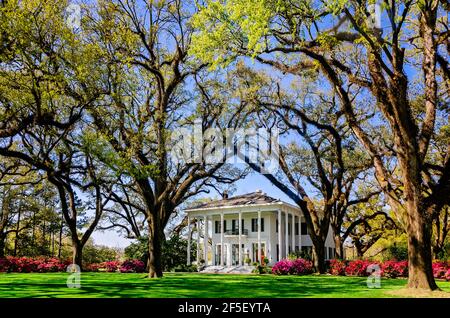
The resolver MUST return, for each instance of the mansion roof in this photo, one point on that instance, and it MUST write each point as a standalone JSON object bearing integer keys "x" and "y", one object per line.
{"x": 252, "y": 198}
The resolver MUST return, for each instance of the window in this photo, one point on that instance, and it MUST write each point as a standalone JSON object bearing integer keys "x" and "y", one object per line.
{"x": 289, "y": 228}
{"x": 255, "y": 225}
{"x": 296, "y": 228}
{"x": 233, "y": 225}
{"x": 217, "y": 227}
{"x": 304, "y": 229}
{"x": 224, "y": 225}
{"x": 330, "y": 253}
{"x": 276, "y": 227}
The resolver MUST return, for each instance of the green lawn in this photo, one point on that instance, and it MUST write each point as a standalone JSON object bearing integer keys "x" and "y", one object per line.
{"x": 194, "y": 285}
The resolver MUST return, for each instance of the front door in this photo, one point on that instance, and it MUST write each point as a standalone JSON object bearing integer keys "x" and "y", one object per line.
{"x": 218, "y": 254}
{"x": 255, "y": 251}
{"x": 234, "y": 254}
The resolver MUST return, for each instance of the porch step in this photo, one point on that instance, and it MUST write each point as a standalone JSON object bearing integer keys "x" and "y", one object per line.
{"x": 227, "y": 269}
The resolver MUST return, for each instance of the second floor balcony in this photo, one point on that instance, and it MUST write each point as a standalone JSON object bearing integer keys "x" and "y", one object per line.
{"x": 235, "y": 232}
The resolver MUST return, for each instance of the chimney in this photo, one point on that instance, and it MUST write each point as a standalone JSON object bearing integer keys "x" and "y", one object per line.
{"x": 225, "y": 195}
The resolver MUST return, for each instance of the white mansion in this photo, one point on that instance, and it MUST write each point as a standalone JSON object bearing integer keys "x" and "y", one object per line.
{"x": 246, "y": 228}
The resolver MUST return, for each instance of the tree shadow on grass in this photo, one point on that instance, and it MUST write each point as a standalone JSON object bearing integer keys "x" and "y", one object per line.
{"x": 105, "y": 285}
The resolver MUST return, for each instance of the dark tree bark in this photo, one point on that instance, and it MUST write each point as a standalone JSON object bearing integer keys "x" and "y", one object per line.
{"x": 155, "y": 249}
{"x": 2, "y": 244}
{"x": 339, "y": 244}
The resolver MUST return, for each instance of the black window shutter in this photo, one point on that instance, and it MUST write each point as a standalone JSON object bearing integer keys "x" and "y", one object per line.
{"x": 304, "y": 229}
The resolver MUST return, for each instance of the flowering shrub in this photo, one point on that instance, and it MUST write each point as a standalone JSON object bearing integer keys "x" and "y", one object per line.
{"x": 440, "y": 269}
{"x": 447, "y": 275}
{"x": 4, "y": 265}
{"x": 28, "y": 265}
{"x": 282, "y": 267}
{"x": 132, "y": 266}
{"x": 293, "y": 267}
{"x": 394, "y": 269}
{"x": 357, "y": 268}
{"x": 337, "y": 267}
{"x": 47, "y": 265}
{"x": 301, "y": 266}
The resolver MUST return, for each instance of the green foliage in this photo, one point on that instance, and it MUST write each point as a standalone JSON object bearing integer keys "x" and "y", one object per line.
{"x": 97, "y": 253}
{"x": 174, "y": 253}
{"x": 398, "y": 252}
{"x": 138, "y": 250}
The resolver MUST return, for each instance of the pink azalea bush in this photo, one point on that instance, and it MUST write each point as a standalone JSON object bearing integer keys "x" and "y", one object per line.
{"x": 132, "y": 266}
{"x": 337, "y": 267}
{"x": 393, "y": 269}
{"x": 440, "y": 269}
{"x": 447, "y": 275}
{"x": 298, "y": 266}
{"x": 282, "y": 267}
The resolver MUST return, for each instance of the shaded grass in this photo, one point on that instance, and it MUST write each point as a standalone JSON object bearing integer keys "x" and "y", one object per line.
{"x": 172, "y": 285}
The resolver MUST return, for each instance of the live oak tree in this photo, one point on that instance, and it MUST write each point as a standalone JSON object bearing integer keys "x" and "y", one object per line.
{"x": 47, "y": 81}
{"x": 395, "y": 65}
{"x": 318, "y": 170}
{"x": 366, "y": 222}
{"x": 157, "y": 89}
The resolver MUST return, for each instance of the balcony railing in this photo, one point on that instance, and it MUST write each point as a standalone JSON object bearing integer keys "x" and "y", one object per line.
{"x": 236, "y": 232}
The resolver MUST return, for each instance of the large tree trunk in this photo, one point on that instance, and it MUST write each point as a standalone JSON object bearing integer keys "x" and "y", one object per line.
{"x": 77, "y": 254}
{"x": 318, "y": 252}
{"x": 154, "y": 248}
{"x": 2, "y": 245}
{"x": 60, "y": 236}
{"x": 419, "y": 250}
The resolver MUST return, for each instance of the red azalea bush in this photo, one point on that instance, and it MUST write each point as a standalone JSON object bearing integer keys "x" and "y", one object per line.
{"x": 31, "y": 265}
{"x": 47, "y": 265}
{"x": 394, "y": 269}
{"x": 358, "y": 268}
{"x": 440, "y": 269}
{"x": 111, "y": 267}
{"x": 298, "y": 266}
{"x": 4, "y": 265}
{"x": 337, "y": 267}
{"x": 94, "y": 267}
{"x": 132, "y": 266}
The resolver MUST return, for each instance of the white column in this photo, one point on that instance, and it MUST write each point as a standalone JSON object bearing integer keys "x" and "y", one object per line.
{"x": 286, "y": 234}
{"x": 300, "y": 233}
{"x": 279, "y": 236}
{"x": 239, "y": 240}
{"x": 293, "y": 232}
{"x": 198, "y": 241}
{"x": 221, "y": 240}
{"x": 189, "y": 241}
{"x": 205, "y": 241}
{"x": 259, "y": 236}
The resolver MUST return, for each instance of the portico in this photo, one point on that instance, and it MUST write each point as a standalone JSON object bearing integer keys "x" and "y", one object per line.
{"x": 246, "y": 229}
